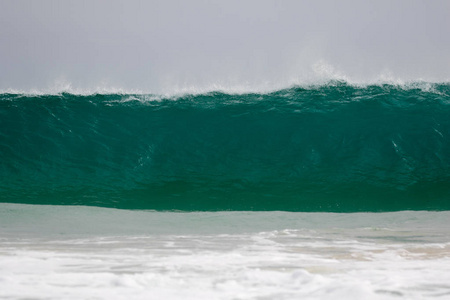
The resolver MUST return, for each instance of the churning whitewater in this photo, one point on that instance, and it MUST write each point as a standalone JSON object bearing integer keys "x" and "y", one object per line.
{"x": 79, "y": 252}
{"x": 333, "y": 147}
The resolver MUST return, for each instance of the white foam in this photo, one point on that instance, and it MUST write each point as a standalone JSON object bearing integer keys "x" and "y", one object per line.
{"x": 222, "y": 267}
{"x": 62, "y": 252}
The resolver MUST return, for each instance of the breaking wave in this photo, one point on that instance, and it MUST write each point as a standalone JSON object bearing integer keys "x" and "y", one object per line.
{"x": 329, "y": 147}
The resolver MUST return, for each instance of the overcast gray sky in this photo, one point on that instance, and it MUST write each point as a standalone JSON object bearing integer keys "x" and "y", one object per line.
{"x": 162, "y": 46}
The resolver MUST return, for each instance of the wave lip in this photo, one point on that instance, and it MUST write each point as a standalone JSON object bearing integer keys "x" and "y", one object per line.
{"x": 266, "y": 88}
{"x": 332, "y": 147}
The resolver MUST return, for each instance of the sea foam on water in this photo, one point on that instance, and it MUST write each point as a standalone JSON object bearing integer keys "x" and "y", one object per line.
{"x": 111, "y": 254}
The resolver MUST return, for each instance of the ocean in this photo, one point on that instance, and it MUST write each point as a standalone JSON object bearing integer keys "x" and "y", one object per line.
{"x": 326, "y": 191}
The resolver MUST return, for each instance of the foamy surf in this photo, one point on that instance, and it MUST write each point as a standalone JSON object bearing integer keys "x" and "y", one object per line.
{"x": 54, "y": 252}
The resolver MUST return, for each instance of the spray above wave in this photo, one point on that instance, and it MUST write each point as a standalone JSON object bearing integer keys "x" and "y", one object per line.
{"x": 334, "y": 147}
{"x": 316, "y": 75}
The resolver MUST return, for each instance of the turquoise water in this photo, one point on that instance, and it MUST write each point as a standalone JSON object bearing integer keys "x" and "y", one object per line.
{"x": 331, "y": 148}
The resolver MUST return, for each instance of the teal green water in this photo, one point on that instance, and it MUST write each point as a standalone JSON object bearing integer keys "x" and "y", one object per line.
{"x": 334, "y": 147}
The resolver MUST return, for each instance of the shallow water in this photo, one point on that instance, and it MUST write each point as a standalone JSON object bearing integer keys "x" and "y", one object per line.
{"x": 69, "y": 252}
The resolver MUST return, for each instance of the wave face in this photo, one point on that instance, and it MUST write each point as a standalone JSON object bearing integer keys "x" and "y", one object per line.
{"x": 332, "y": 147}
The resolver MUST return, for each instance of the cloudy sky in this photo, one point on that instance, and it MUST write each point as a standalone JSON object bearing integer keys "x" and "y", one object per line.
{"x": 163, "y": 46}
